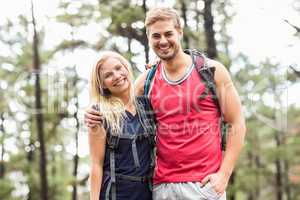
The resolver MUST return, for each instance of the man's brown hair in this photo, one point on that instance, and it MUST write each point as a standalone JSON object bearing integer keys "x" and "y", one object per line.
{"x": 162, "y": 14}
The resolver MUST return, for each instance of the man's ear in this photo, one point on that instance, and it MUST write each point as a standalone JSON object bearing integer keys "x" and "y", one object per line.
{"x": 180, "y": 32}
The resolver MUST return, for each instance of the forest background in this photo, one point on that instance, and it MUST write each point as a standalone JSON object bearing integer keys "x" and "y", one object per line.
{"x": 47, "y": 49}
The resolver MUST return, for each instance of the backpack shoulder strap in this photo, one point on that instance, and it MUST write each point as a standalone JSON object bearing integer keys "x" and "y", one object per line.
{"x": 112, "y": 142}
{"x": 149, "y": 78}
{"x": 207, "y": 73}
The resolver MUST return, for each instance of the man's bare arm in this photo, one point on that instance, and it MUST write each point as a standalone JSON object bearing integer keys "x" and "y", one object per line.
{"x": 92, "y": 117}
{"x": 232, "y": 110}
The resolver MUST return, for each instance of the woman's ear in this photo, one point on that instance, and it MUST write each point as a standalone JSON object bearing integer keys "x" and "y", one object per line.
{"x": 104, "y": 92}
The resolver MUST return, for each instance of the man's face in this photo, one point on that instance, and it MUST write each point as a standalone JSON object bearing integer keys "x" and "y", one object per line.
{"x": 164, "y": 39}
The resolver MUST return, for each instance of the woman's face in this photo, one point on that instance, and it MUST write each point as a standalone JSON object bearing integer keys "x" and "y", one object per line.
{"x": 114, "y": 76}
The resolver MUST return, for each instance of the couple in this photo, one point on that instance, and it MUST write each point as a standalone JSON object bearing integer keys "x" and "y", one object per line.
{"x": 189, "y": 162}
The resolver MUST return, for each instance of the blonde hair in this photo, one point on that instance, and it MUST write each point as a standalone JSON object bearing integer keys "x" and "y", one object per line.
{"x": 110, "y": 106}
{"x": 162, "y": 14}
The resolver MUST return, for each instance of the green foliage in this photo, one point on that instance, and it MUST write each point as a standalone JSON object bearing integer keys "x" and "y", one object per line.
{"x": 259, "y": 85}
{"x": 6, "y": 189}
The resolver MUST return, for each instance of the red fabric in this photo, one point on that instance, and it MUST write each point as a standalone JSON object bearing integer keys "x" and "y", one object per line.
{"x": 188, "y": 133}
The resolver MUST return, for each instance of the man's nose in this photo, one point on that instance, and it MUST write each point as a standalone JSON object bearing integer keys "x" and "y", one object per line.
{"x": 163, "y": 40}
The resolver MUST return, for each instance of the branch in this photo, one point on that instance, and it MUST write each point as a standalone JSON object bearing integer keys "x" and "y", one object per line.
{"x": 294, "y": 26}
{"x": 129, "y": 32}
{"x": 295, "y": 71}
{"x": 269, "y": 121}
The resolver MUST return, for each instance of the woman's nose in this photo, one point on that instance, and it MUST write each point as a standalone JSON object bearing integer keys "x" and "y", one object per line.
{"x": 117, "y": 75}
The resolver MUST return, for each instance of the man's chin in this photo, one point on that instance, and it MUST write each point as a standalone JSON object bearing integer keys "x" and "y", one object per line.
{"x": 166, "y": 57}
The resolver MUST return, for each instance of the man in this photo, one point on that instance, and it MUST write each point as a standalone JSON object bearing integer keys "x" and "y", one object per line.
{"x": 190, "y": 164}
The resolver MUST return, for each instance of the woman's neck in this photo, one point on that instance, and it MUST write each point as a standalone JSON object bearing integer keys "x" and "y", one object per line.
{"x": 126, "y": 100}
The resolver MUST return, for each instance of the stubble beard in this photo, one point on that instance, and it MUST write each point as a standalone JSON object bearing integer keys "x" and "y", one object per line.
{"x": 168, "y": 57}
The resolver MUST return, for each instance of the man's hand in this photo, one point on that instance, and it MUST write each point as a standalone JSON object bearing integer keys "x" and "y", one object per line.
{"x": 92, "y": 117}
{"x": 219, "y": 181}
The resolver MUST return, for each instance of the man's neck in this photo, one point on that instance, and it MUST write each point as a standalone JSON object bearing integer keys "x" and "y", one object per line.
{"x": 180, "y": 62}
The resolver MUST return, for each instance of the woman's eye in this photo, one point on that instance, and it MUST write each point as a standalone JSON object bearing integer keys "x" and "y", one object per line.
{"x": 108, "y": 75}
{"x": 118, "y": 68}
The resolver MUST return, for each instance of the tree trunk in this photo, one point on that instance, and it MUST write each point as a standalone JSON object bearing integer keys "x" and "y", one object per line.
{"x": 278, "y": 164}
{"x": 286, "y": 169}
{"x": 209, "y": 30}
{"x": 183, "y": 13}
{"x": 257, "y": 186}
{"x": 198, "y": 15}
{"x": 145, "y": 39}
{"x": 39, "y": 114}
{"x": 129, "y": 44}
{"x": 254, "y": 163}
{"x": 129, "y": 40}
{"x": 76, "y": 157}
{"x": 2, "y": 130}
{"x": 287, "y": 183}
{"x": 231, "y": 196}
{"x": 250, "y": 195}
{"x": 30, "y": 159}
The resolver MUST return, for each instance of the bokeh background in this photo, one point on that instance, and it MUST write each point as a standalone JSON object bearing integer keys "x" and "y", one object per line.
{"x": 47, "y": 49}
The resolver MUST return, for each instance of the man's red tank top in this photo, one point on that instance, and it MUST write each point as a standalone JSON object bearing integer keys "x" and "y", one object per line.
{"x": 188, "y": 131}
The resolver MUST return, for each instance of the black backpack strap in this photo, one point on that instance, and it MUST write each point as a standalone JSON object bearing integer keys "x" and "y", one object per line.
{"x": 207, "y": 75}
{"x": 142, "y": 179}
{"x": 148, "y": 121}
{"x": 112, "y": 142}
{"x": 135, "y": 154}
{"x": 112, "y": 183}
{"x": 146, "y": 114}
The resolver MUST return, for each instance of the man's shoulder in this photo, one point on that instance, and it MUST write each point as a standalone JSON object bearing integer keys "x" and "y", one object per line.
{"x": 140, "y": 82}
{"x": 221, "y": 72}
{"x": 214, "y": 63}
{"x": 142, "y": 77}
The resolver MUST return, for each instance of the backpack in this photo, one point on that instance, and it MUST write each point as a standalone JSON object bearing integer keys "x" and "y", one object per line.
{"x": 144, "y": 112}
{"x": 206, "y": 74}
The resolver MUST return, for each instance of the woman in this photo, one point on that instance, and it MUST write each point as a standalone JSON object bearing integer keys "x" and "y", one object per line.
{"x": 121, "y": 146}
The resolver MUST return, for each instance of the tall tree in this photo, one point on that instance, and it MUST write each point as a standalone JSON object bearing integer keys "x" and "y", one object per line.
{"x": 77, "y": 124}
{"x": 2, "y": 147}
{"x": 39, "y": 110}
{"x": 127, "y": 21}
{"x": 145, "y": 39}
{"x": 184, "y": 11}
{"x": 209, "y": 29}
